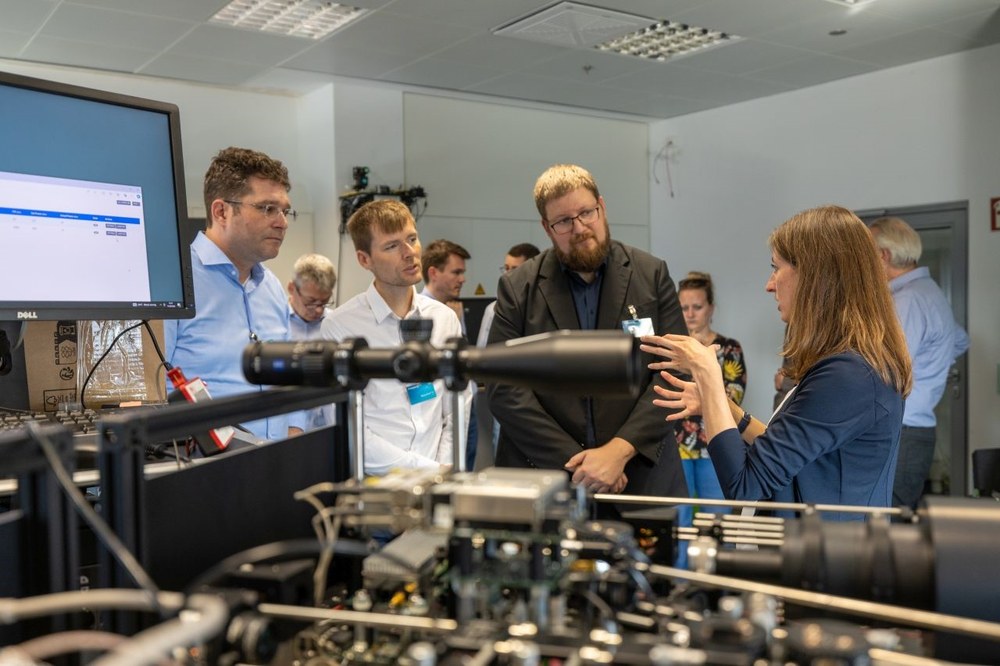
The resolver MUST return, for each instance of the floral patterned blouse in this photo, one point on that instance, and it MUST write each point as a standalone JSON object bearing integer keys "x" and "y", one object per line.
{"x": 690, "y": 432}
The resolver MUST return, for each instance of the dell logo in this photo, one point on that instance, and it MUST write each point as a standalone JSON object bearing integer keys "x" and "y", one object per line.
{"x": 29, "y": 314}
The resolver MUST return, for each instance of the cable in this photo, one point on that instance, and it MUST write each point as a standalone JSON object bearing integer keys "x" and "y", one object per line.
{"x": 103, "y": 356}
{"x": 96, "y": 523}
{"x": 156, "y": 345}
{"x": 273, "y": 551}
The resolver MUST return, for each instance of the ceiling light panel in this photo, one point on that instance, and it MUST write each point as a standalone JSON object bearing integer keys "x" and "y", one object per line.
{"x": 576, "y": 25}
{"x": 312, "y": 19}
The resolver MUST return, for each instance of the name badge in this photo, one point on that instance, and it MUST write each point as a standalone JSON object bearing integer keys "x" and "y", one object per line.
{"x": 638, "y": 327}
{"x": 419, "y": 393}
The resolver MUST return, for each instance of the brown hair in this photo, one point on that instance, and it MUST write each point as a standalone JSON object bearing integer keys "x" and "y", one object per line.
{"x": 698, "y": 280}
{"x": 231, "y": 169}
{"x": 842, "y": 301}
{"x": 436, "y": 254}
{"x": 559, "y": 180}
{"x": 386, "y": 215}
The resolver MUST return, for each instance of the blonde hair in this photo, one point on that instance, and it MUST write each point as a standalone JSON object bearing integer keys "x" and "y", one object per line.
{"x": 842, "y": 301}
{"x": 559, "y": 180}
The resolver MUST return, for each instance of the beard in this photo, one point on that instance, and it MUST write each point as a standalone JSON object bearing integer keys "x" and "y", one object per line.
{"x": 582, "y": 259}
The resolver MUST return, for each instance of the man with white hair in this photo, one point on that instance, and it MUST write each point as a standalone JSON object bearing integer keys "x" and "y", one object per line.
{"x": 934, "y": 339}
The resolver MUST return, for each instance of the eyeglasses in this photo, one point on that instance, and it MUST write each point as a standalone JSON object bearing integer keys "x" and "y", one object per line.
{"x": 269, "y": 210}
{"x": 565, "y": 225}
{"x": 310, "y": 305}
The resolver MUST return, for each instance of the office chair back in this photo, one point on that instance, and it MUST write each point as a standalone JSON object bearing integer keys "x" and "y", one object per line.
{"x": 986, "y": 472}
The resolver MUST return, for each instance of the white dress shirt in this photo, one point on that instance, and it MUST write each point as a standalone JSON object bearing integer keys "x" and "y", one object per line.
{"x": 398, "y": 434}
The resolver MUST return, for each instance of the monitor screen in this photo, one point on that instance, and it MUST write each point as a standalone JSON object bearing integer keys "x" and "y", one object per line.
{"x": 92, "y": 204}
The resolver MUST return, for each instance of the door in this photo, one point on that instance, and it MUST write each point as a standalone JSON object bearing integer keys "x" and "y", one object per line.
{"x": 943, "y": 230}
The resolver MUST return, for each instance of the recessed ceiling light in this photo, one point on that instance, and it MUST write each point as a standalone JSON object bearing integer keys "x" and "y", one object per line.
{"x": 314, "y": 19}
{"x": 851, "y": 3}
{"x": 664, "y": 40}
{"x": 572, "y": 24}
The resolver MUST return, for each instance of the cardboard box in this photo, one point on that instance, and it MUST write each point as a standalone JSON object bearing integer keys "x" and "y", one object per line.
{"x": 50, "y": 360}
{"x": 59, "y": 355}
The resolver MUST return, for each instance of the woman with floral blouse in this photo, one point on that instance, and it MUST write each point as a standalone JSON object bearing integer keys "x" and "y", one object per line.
{"x": 698, "y": 304}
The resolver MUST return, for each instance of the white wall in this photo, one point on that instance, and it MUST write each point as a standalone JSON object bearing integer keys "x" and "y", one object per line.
{"x": 478, "y": 163}
{"x": 919, "y": 134}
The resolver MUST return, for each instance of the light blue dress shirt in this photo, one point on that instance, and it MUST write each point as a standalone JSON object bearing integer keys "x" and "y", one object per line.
{"x": 933, "y": 337}
{"x": 300, "y": 329}
{"x": 229, "y": 315}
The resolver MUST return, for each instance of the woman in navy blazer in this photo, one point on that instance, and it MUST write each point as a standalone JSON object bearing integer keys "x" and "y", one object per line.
{"x": 835, "y": 438}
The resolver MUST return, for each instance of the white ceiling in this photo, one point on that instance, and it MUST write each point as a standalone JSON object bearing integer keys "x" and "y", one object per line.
{"x": 449, "y": 44}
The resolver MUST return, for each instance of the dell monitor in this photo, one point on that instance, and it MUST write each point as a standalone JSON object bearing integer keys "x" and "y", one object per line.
{"x": 92, "y": 205}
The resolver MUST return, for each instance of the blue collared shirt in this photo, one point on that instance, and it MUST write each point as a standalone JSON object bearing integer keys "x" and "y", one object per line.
{"x": 933, "y": 337}
{"x": 229, "y": 315}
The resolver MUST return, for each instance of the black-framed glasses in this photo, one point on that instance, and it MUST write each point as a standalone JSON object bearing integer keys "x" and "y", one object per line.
{"x": 269, "y": 210}
{"x": 564, "y": 225}
{"x": 310, "y": 305}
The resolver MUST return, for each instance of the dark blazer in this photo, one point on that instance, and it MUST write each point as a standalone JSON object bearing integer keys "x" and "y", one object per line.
{"x": 546, "y": 429}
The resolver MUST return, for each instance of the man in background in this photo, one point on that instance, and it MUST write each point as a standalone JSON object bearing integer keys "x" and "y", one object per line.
{"x": 442, "y": 267}
{"x": 405, "y": 426}
{"x": 247, "y": 211}
{"x": 516, "y": 256}
{"x": 586, "y": 281}
{"x": 309, "y": 294}
{"x": 934, "y": 339}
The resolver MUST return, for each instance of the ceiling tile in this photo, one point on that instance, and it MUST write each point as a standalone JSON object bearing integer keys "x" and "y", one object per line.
{"x": 480, "y": 15}
{"x": 589, "y": 65}
{"x": 502, "y": 52}
{"x": 930, "y": 12}
{"x": 751, "y": 19}
{"x": 983, "y": 28}
{"x": 20, "y": 16}
{"x": 740, "y": 57}
{"x": 691, "y": 83}
{"x": 235, "y": 44}
{"x": 437, "y": 73}
{"x": 329, "y": 58}
{"x": 813, "y": 70}
{"x": 11, "y": 43}
{"x": 400, "y": 34}
{"x": 908, "y": 47}
{"x": 814, "y": 34}
{"x": 80, "y": 54}
{"x": 208, "y": 70}
{"x": 188, "y": 10}
{"x": 122, "y": 29}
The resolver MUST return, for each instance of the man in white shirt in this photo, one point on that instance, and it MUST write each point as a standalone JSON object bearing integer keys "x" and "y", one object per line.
{"x": 405, "y": 426}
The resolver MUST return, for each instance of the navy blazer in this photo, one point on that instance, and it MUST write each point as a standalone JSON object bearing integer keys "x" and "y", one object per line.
{"x": 546, "y": 429}
{"x": 835, "y": 441}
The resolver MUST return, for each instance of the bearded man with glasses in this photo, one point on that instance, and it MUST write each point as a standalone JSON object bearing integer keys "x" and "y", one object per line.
{"x": 586, "y": 281}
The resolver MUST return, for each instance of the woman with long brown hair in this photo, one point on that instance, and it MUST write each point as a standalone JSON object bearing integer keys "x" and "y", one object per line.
{"x": 836, "y": 437}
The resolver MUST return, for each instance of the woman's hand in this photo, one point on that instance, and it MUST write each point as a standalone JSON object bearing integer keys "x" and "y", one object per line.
{"x": 682, "y": 353}
{"x": 687, "y": 399}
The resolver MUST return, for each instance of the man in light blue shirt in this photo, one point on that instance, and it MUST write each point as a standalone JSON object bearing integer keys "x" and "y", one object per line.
{"x": 934, "y": 339}
{"x": 309, "y": 294}
{"x": 238, "y": 299}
